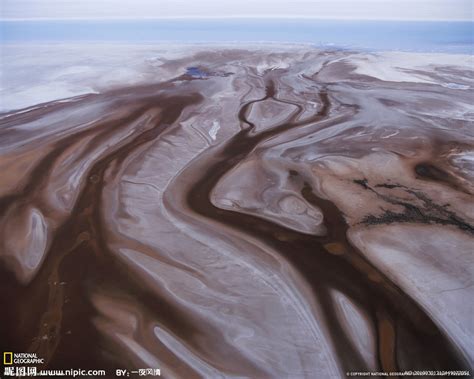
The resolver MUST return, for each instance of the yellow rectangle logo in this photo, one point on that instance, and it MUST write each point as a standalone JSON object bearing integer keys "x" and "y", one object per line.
{"x": 7, "y": 358}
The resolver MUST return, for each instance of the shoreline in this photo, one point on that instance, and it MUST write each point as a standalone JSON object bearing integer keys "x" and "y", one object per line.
{"x": 227, "y": 44}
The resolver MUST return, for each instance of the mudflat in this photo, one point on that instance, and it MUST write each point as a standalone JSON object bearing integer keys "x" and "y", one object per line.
{"x": 234, "y": 212}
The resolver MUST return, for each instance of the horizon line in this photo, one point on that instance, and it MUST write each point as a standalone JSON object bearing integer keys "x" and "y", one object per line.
{"x": 292, "y": 17}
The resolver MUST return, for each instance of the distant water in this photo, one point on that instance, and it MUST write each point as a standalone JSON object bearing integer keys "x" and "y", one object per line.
{"x": 451, "y": 37}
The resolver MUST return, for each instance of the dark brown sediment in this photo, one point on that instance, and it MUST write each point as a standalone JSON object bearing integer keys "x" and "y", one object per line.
{"x": 426, "y": 170}
{"x": 87, "y": 290}
{"x": 78, "y": 255}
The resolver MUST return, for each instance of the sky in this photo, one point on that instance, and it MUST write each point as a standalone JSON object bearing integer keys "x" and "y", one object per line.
{"x": 325, "y": 9}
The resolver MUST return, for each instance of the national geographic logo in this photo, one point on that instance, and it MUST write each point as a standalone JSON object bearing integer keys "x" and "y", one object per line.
{"x": 7, "y": 358}
{"x": 10, "y": 358}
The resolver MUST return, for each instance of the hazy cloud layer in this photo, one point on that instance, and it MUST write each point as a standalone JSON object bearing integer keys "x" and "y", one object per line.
{"x": 365, "y": 9}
